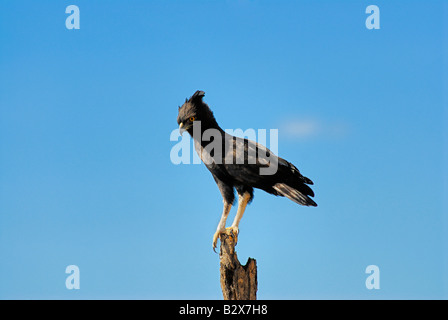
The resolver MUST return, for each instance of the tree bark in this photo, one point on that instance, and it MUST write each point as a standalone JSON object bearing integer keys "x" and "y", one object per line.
{"x": 237, "y": 282}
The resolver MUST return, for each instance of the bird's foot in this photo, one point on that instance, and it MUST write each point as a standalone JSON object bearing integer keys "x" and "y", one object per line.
{"x": 216, "y": 236}
{"x": 231, "y": 232}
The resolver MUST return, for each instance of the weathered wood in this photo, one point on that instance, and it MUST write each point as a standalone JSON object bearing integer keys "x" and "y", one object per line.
{"x": 237, "y": 282}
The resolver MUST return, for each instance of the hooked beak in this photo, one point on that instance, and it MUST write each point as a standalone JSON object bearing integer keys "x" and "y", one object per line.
{"x": 182, "y": 128}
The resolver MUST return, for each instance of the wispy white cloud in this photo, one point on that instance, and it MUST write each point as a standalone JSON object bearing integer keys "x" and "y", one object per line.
{"x": 310, "y": 128}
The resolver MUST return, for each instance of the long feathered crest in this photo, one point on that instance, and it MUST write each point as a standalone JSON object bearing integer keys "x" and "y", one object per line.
{"x": 197, "y": 96}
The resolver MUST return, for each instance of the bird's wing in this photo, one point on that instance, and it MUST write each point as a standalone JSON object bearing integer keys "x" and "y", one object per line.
{"x": 280, "y": 177}
{"x": 244, "y": 158}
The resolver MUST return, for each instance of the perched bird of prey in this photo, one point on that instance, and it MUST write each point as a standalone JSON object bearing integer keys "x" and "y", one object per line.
{"x": 238, "y": 164}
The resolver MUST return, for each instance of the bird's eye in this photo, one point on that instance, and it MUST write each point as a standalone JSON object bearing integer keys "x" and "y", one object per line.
{"x": 192, "y": 119}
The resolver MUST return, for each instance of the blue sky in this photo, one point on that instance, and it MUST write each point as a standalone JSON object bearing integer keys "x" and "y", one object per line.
{"x": 86, "y": 176}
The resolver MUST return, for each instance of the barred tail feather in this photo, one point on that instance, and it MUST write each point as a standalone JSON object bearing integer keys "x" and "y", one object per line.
{"x": 294, "y": 195}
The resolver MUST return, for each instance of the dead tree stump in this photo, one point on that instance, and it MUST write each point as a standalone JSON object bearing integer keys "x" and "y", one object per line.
{"x": 237, "y": 282}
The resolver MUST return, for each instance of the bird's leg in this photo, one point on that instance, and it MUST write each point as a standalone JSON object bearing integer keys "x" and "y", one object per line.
{"x": 222, "y": 223}
{"x": 242, "y": 203}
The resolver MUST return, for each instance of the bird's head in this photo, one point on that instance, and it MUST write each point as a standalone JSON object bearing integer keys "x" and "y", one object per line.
{"x": 194, "y": 109}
